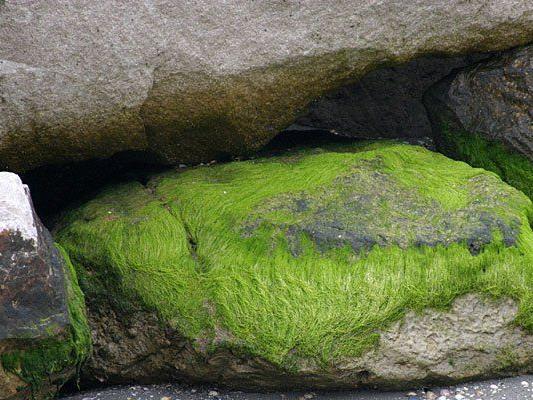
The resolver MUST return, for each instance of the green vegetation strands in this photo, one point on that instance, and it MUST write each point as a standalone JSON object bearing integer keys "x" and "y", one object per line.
{"x": 309, "y": 254}
{"x": 60, "y": 356}
{"x": 512, "y": 167}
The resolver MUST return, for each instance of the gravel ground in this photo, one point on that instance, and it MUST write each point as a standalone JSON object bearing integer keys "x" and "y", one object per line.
{"x": 519, "y": 388}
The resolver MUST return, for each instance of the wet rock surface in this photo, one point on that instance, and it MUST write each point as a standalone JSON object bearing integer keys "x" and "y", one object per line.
{"x": 37, "y": 352}
{"x": 32, "y": 287}
{"x": 492, "y": 99}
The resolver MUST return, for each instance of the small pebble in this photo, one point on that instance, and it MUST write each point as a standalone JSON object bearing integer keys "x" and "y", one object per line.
{"x": 212, "y": 393}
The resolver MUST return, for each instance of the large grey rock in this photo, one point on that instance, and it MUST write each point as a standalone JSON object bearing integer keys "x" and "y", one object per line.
{"x": 192, "y": 80}
{"x": 41, "y": 338}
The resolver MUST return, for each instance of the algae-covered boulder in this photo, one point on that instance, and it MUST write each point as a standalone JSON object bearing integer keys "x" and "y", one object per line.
{"x": 43, "y": 328}
{"x": 190, "y": 81}
{"x": 372, "y": 264}
{"x": 484, "y": 116}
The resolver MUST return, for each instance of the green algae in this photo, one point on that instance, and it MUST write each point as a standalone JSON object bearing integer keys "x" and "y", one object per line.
{"x": 194, "y": 247}
{"x": 51, "y": 361}
{"x": 374, "y": 205}
{"x": 473, "y": 148}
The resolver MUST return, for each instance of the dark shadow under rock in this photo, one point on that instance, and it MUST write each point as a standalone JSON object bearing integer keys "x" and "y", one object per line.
{"x": 386, "y": 103}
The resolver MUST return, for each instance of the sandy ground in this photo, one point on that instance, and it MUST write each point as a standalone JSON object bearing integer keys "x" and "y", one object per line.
{"x": 519, "y": 388}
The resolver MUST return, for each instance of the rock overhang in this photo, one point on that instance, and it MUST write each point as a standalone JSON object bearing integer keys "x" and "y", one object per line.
{"x": 174, "y": 88}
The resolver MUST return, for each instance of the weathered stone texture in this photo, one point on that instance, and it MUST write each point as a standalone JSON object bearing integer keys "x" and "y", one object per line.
{"x": 493, "y": 99}
{"x": 191, "y": 81}
{"x": 32, "y": 288}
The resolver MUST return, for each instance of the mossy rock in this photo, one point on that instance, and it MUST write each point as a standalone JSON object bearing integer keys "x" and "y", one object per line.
{"x": 44, "y": 335}
{"x": 481, "y": 115}
{"x": 36, "y": 368}
{"x": 313, "y": 268}
{"x": 473, "y": 148}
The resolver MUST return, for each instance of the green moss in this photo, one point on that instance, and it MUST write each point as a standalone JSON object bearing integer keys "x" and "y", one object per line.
{"x": 210, "y": 249}
{"x": 508, "y": 359}
{"x": 377, "y": 204}
{"x": 138, "y": 251}
{"x": 80, "y": 332}
{"x": 473, "y": 148}
{"x": 51, "y": 361}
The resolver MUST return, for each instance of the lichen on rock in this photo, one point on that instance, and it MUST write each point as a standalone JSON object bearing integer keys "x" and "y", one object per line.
{"x": 244, "y": 269}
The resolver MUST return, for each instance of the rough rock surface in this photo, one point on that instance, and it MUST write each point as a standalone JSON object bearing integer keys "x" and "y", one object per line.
{"x": 190, "y": 81}
{"x": 476, "y": 338}
{"x": 386, "y": 103}
{"x": 493, "y": 99}
{"x": 195, "y": 275}
{"x": 32, "y": 288}
{"x": 457, "y": 344}
{"x": 33, "y": 297}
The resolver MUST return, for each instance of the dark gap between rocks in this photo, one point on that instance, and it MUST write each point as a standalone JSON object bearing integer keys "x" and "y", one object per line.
{"x": 57, "y": 187}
